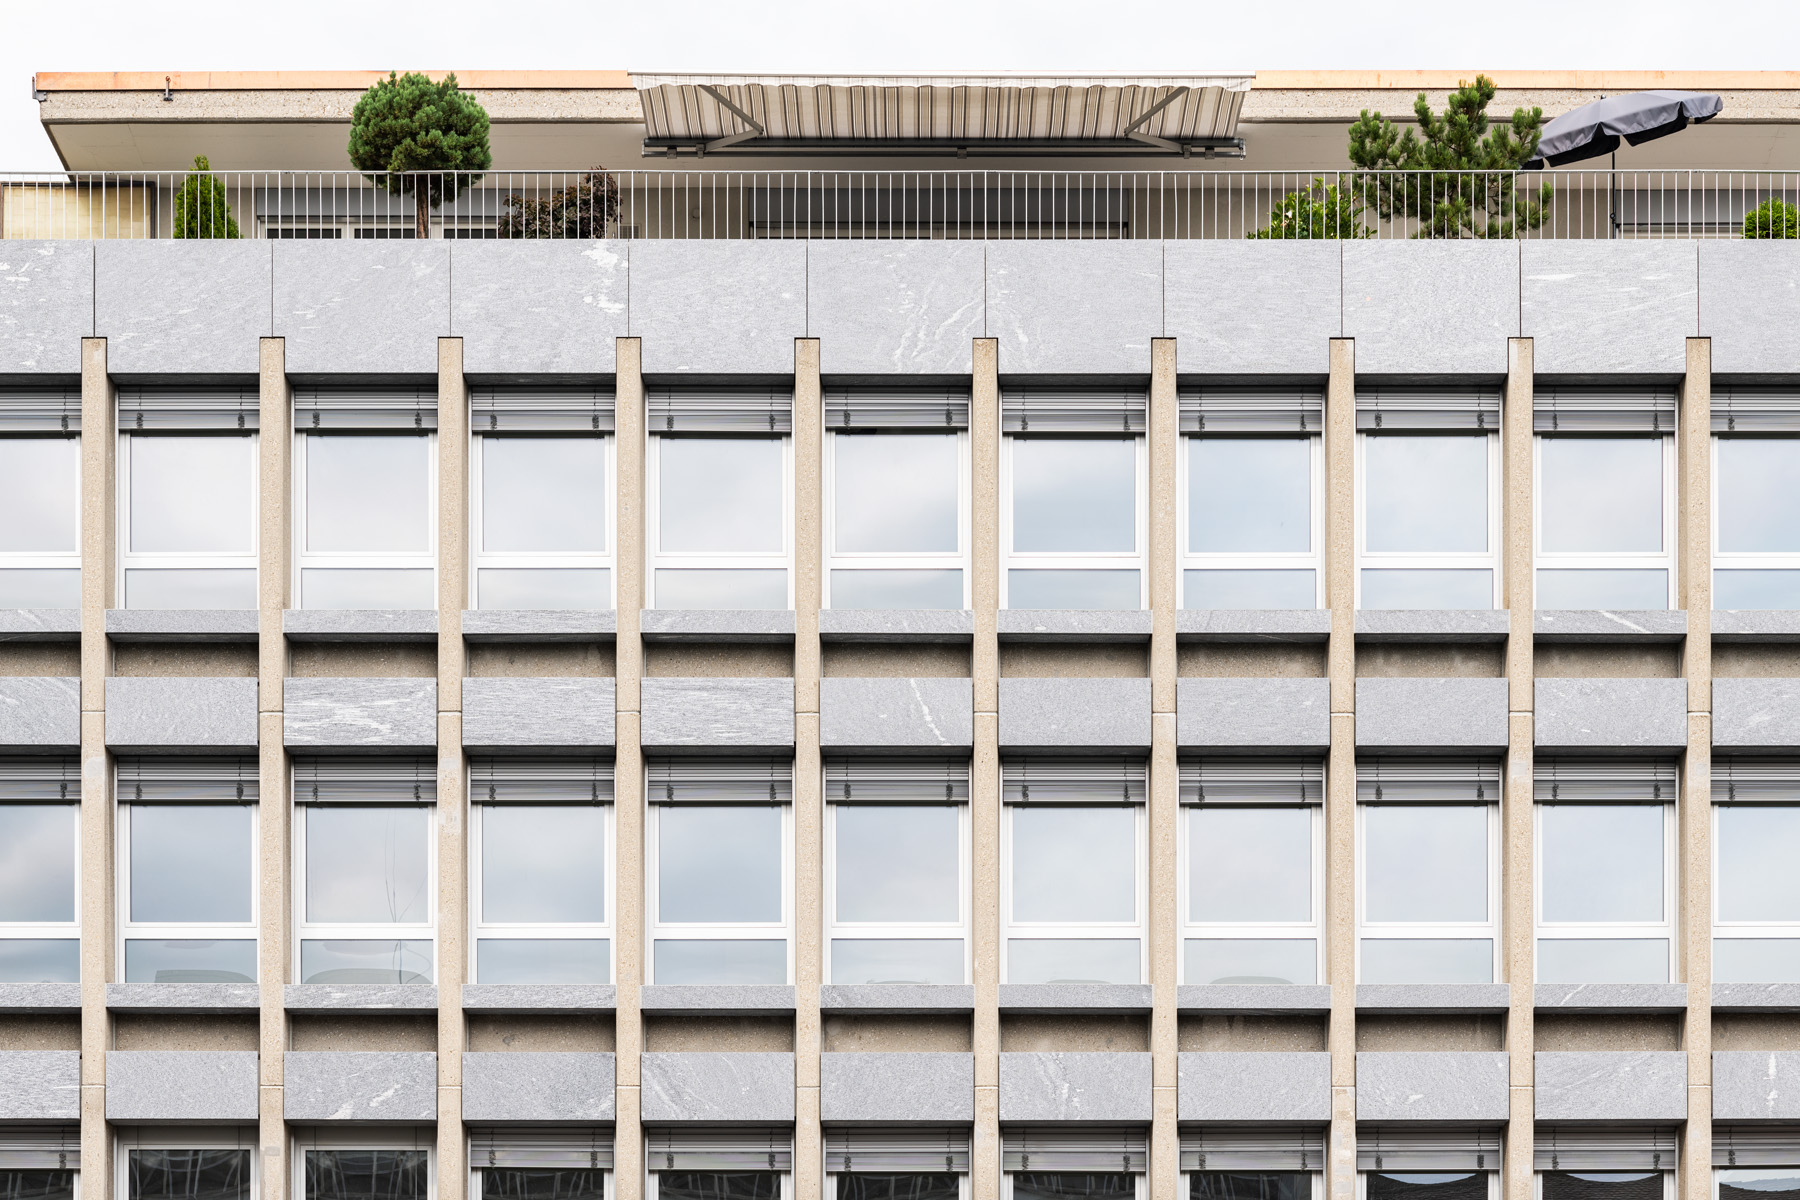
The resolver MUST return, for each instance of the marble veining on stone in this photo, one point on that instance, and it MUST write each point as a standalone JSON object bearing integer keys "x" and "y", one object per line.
{"x": 41, "y": 712}
{"x": 1611, "y": 625}
{"x": 40, "y": 1085}
{"x": 46, "y": 305}
{"x": 555, "y": 713}
{"x": 545, "y": 306}
{"x": 1074, "y": 625}
{"x": 1432, "y": 624}
{"x": 1071, "y": 714}
{"x": 1608, "y": 307}
{"x": 1751, "y": 997}
{"x": 1611, "y": 997}
{"x": 182, "y": 307}
{"x": 911, "y": 1087}
{"x": 717, "y": 624}
{"x": 1611, "y": 1085}
{"x": 40, "y": 624}
{"x": 1427, "y": 307}
{"x": 896, "y": 624}
{"x": 360, "y": 624}
{"x": 1253, "y": 624}
{"x": 1756, "y": 712}
{"x": 693, "y": 1086}
{"x": 1055, "y": 1085}
{"x": 362, "y": 307}
{"x": 1276, "y": 1086}
{"x": 1461, "y": 1085}
{"x": 702, "y": 712}
{"x": 539, "y": 624}
{"x": 896, "y": 307}
{"x": 1755, "y": 624}
{"x": 518, "y": 1085}
{"x": 1400, "y": 713}
{"x": 1285, "y": 304}
{"x": 1750, "y": 305}
{"x": 903, "y": 713}
{"x": 182, "y": 624}
{"x": 333, "y": 997}
{"x": 718, "y": 306}
{"x": 1076, "y": 307}
{"x": 181, "y": 1085}
{"x": 1602, "y": 713}
{"x": 1756, "y": 1085}
{"x": 154, "y": 714}
{"x": 362, "y": 1086}
{"x": 347, "y": 713}
{"x": 1265, "y": 713}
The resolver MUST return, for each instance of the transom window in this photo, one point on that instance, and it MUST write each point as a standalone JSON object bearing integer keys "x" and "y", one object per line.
{"x": 40, "y": 913}
{"x": 1756, "y": 892}
{"x": 40, "y": 493}
{"x": 186, "y": 1164}
{"x": 359, "y": 1164}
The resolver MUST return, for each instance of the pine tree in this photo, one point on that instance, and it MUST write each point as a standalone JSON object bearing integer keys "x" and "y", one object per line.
{"x": 200, "y": 207}
{"x": 407, "y": 123}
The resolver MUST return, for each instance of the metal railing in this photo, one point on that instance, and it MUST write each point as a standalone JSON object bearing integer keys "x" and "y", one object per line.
{"x": 905, "y": 205}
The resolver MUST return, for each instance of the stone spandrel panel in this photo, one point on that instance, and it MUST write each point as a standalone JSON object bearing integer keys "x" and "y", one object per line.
{"x": 896, "y": 307}
{"x": 718, "y": 307}
{"x": 1431, "y": 307}
{"x": 181, "y": 1085}
{"x": 1261, "y": 714}
{"x": 697, "y": 1087}
{"x": 348, "y": 714}
{"x": 912, "y": 1087}
{"x": 1611, "y": 1085}
{"x": 151, "y": 715}
{"x": 551, "y": 714}
{"x": 513, "y": 1086}
{"x": 539, "y": 307}
{"x": 1055, "y": 1086}
{"x": 362, "y": 307}
{"x": 1081, "y": 307}
{"x": 40, "y": 1085}
{"x": 1447, "y": 714}
{"x": 1432, "y": 1086}
{"x": 46, "y": 306}
{"x": 1750, "y": 305}
{"x": 183, "y": 306}
{"x": 910, "y": 714}
{"x": 1074, "y": 714}
{"x": 1606, "y": 714}
{"x": 40, "y": 713}
{"x": 749, "y": 714}
{"x": 1260, "y": 1086}
{"x": 1609, "y": 307}
{"x": 360, "y": 1087}
{"x": 1285, "y": 305}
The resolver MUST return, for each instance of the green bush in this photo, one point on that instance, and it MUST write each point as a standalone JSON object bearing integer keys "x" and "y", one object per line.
{"x": 1773, "y": 218}
{"x": 200, "y": 208}
{"x": 581, "y": 210}
{"x": 1319, "y": 213}
{"x": 408, "y": 123}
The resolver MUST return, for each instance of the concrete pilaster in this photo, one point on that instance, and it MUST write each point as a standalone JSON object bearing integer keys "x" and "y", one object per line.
{"x": 1165, "y": 804}
{"x": 1694, "y": 564}
{"x": 453, "y": 802}
{"x": 98, "y": 565}
{"x": 1517, "y": 920}
{"x": 1340, "y": 770}
{"x": 275, "y": 444}
{"x": 628, "y": 771}
{"x": 809, "y": 801}
{"x": 984, "y": 784}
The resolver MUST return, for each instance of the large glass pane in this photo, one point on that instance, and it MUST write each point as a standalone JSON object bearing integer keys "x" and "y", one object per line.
{"x": 1602, "y": 960}
{"x": 1601, "y": 1185}
{"x": 895, "y": 493}
{"x": 1754, "y": 1183}
{"x": 1431, "y": 1185}
{"x": 1066, "y": 1186}
{"x": 542, "y": 1183}
{"x": 1425, "y": 494}
{"x": 191, "y": 587}
{"x": 40, "y": 587}
{"x": 1074, "y": 960}
{"x": 1614, "y": 588}
{"x": 39, "y": 486}
{"x": 1425, "y": 863}
{"x": 720, "y": 494}
{"x": 37, "y": 863}
{"x": 1101, "y": 589}
{"x": 1250, "y": 864}
{"x": 1074, "y": 495}
{"x": 898, "y": 864}
{"x": 543, "y": 865}
{"x": 1600, "y": 494}
{"x": 718, "y": 1185}
{"x": 37, "y": 1185}
{"x": 188, "y": 1175}
{"x": 1250, "y": 960}
{"x": 693, "y": 587}
{"x": 40, "y": 960}
{"x": 1758, "y": 483}
{"x": 543, "y": 960}
{"x": 366, "y": 1175}
{"x": 897, "y": 960}
{"x": 1250, "y": 589}
{"x": 368, "y": 493}
{"x": 192, "y": 495}
{"x": 1756, "y": 589}
{"x": 1249, "y": 495}
{"x": 374, "y": 960}
{"x": 718, "y": 864}
{"x": 922, "y": 588}
{"x": 373, "y": 587}
{"x": 191, "y": 863}
{"x": 944, "y": 1185}
{"x": 1250, "y": 1185}
{"x": 1757, "y": 848}
{"x": 1448, "y": 587}
{"x": 543, "y": 587}
{"x": 1426, "y": 960}
{"x": 720, "y": 960}
{"x": 1601, "y": 863}
{"x": 543, "y": 494}
{"x": 367, "y": 864}
{"x": 1073, "y": 864}
{"x": 1756, "y": 960}
{"x": 190, "y": 960}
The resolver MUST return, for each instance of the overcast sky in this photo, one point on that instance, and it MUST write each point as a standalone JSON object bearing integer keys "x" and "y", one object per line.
{"x": 855, "y": 35}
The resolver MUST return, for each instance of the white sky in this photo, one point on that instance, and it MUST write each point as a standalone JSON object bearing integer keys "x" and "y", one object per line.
{"x": 855, "y": 35}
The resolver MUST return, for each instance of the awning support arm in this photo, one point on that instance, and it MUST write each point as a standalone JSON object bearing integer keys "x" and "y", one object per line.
{"x": 1167, "y": 100}
{"x": 755, "y": 131}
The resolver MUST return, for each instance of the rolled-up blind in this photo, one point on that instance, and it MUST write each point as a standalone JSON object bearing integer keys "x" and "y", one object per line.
{"x": 1074, "y": 780}
{"x": 1471, "y": 409}
{"x": 55, "y": 777}
{"x": 1740, "y": 409}
{"x": 720, "y": 1150}
{"x": 572, "y": 780}
{"x": 720, "y": 781}
{"x": 1603, "y": 410}
{"x": 540, "y": 410}
{"x": 369, "y": 780}
{"x": 924, "y": 408}
{"x": 1252, "y": 410}
{"x": 40, "y": 410}
{"x": 1087, "y": 409}
{"x": 900, "y": 1151}
{"x": 1427, "y": 781}
{"x": 1603, "y": 780}
{"x": 1122, "y": 1150}
{"x": 575, "y": 1148}
{"x": 1756, "y": 780}
{"x": 351, "y": 410}
{"x": 1231, "y": 1149}
{"x": 154, "y": 409}
{"x": 41, "y": 1148}
{"x": 1403, "y": 1148}
{"x": 1253, "y": 781}
{"x": 1606, "y": 1148}
{"x": 1756, "y": 1145}
{"x": 223, "y": 780}
{"x": 760, "y": 408}
{"x": 897, "y": 781}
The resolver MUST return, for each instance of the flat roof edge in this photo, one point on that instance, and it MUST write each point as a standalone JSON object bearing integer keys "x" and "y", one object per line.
{"x": 322, "y": 81}
{"x": 1611, "y": 81}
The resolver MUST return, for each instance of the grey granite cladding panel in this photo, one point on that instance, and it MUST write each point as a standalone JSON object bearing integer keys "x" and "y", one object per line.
{"x": 1611, "y": 997}
{"x": 1285, "y": 305}
{"x": 362, "y": 307}
{"x": 366, "y": 1087}
{"x": 1260, "y": 1086}
{"x": 1600, "y": 625}
{"x": 353, "y": 714}
{"x": 547, "y": 307}
{"x": 355, "y": 997}
{"x": 1252, "y": 998}
{"x": 182, "y": 306}
{"x": 1756, "y": 1085}
{"x": 539, "y": 625}
{"x": 1756, "y": 997}
{"x": 1755, "y": 624}
{"x": 718, "y": 306}
{"x": 40, "y": 1085}
{"x": 1431, "y": 1086}
{"x": 181, "y": 1085}
{"x": 896, "y": 713}
{"x": 1607, "y": 713}
{"x": 895, "y": 308}
{"x": 1057, "y": 1085}
{"x": 1075, "y": 997}
{"x": 40, "y": 624}
{"x": 1075, "y": 714}
{"x": 1074, "y": 307}
{"x": 181, "y": 624}
{"x": 18, "y": 999}
{"x": 46, "y": 306}
{"x": 150, "y": 714}
{"x": 1074, "y": 625}
{"x": 39, "y": 712}
{"x": 716, "y": 999}
{"x": 1750, "y": 305}
{"x": 1253, "y": 624}
{"x": 509, "y": 1086}
{"x": 538, "y": 997}
{"x": 1432, "y": 624}
{"x": 1432, "y": 997}
{"x": 1756, "y": 712}
{"x": 1609, "y": 306}
{"x": 360, "y": 624}
{"x": 1421, "y": 308}
{"x": 717, "y": 624}
{"x": 896, "y": 624}
{"x": 694, "y": 1086}
{"x": 183, "y": 997}
{"x": 1435, "y": 713}
{"x": 1291, "y": 714}
{"x": 734, "y": 713}
{"x": 1611, "y": 1085}
{"x": 891, "y": 1088}
{"x": 522, "y": 713}
{"x": 897, "y": 997}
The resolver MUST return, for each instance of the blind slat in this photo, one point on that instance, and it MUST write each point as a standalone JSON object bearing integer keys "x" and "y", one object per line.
{"x": 720, "y": 1150}
{"x": 365, "y": 780}
{"x": 1123, "y": 1150}
{"x": 720, "y": 781}
{"x": 41, "y": 1148}
{"x": 758, "y": 409}
{"x": 1603, "y": 410}
{"x": 318, "y": 410}
{"x": 1427, "y": 781}
{"x": 896, "y": 781}
{"x": 1228, "y": 1149}
{"x": 850, "y": 408}
{"x": 55, "y": 777}
{"x": 1756, "y": 780}
{"x": 540, "y": 409}
{"x": 584, "y": 780}
{"x": 1074, "y": 780}
{"x": 1405, "y": 408}
{"x": 1755, "y": 409}
{"x": 148, "y": 780}
{"x": 1402, "y": 1149}
{"x": 1601, "y": 780}
{"x": 173, "y": 408}
{"x": 1251, "y": 410}
{"x": 1756, "y": 1145}
{"x": 1646, "y": 1148}
{"x": 896, "y": 1150}
{"x": 590, "y": 1149}
{"x": 1074, "y": 410}
{"x": 40, "y": 410}
{"x": 1253, "y": 781}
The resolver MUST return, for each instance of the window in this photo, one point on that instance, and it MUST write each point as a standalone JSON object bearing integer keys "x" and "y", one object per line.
{"x": 1072, "y": 498}
{"x": 1427, "y": 870}
{"x": 186, "y": 1164}
{"x": 373, "y": 1164}
{"x": 40, "y": 915}
{"x": 365, "y": 474}
{"x": 365, "y": 874}
{"x": 1576, "y": 1163}
{"x": 1756, "y": 1183}
{"x": 721, "y": 878}
{"x": 541, "y": 862}
{"x": 1753, "y": 1162}
{"x": 187, "y": 870}
{"x": 1073, "y": 1164}
{"x": 1756, "y": 476}
{"x": 719, "y": 1164}
{"x": 540, "y": 1164}
{"x": 1073, "y": 863}
{"x": 1756, "y": 895}
{"x": 40, "y": 493}
{"x": 897, "y": 871}
{"x": 39, "y": 1162}
{"x": 896, "y": 1164}
{"x": 1251, "y": 467}
{"x": 1251, "y": 847}
{"x": 542, "y": 498}
{"x": 1414, "y": 1163}
{"x": 1229, "y": 1163}
{"x": 1605, "y": 863}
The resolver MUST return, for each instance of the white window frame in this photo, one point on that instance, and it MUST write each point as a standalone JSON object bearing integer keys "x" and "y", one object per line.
{"x": 483, "y": 930}
{"x": 1745, "y": 560}
{"x": 147, "y": 931}
{"x": 184, "y": 560}
{"x": 1542, "y": 560}
{"x": 882, "y": 930}
{"x": 1635, "y": 931}
{"x": 1261, "y": 930}
{"x": 51, "y": 560}
{"x": 1135, "y": 559}
{"x": 1423, "y": 931}
{"x": 1491, "y": 560}
{"x": 54, "y": 931}
{"x": 198, "y": 1137}
{"x": 307, "y": 931}
{"x": 656, "y": 558}
{"x": 1086, "y": 931}
{"x": 1362, "y": 1181}
{"x": 305, "y": 560}
{"x": 1282, "y": 560}
{"x": 326, "y": 1137}
{"x": 1747, "y": 930}
{"x": 658, "y": 930}
{"x": 958, "y": 559}
{"x": 482, "y": 558}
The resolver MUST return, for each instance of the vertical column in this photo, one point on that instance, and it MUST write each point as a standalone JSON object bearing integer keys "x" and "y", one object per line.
{"x": 628, "y": 771}
{"x": 809, "y": 807}
{"x": 984, "y": 782}
{"x": 1165, "y": 810}
{"x": 1340, "y": 773}
{"x": 274, "y": 443}
{"x": 98, "y": 510}
{"x": 453, "y": 803}
{"x": 1517, "y": 917}
{"x": 1694, "y": 562}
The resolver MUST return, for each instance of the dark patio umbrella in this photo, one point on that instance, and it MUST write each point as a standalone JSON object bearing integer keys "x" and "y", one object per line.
{"x": 1595, "y": 129}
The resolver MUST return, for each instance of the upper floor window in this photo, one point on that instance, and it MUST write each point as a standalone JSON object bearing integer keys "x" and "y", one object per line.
{"x": 1605, "y": 484}
{"x": 896, "y": 1164}
{"x": 171, "y": 1164}
{"x": 542, "y": 498}
{"x": 40, "y": 493}
{"x": 719, "y": 1164}
{"x": 1606, "y": 1162}
{"x": 1072, "y": 471}
{"x": 365, "y": 1164}
{"x": 40, "y": 1162}
{"x": 1251, "y": 468}
{"x": 553, "y": 1163}
{"x": 1421, "y": 1163}
{"x": 1756, "y": 479}
{"x": 1073, "y": 1163}
{"x": 1231, "y": 1163}
{"x": 40, "y": 812}
{"x": 1427, "y": 491}
{"x": 365, "y": 477}
{"x": 1756, "y": 892}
